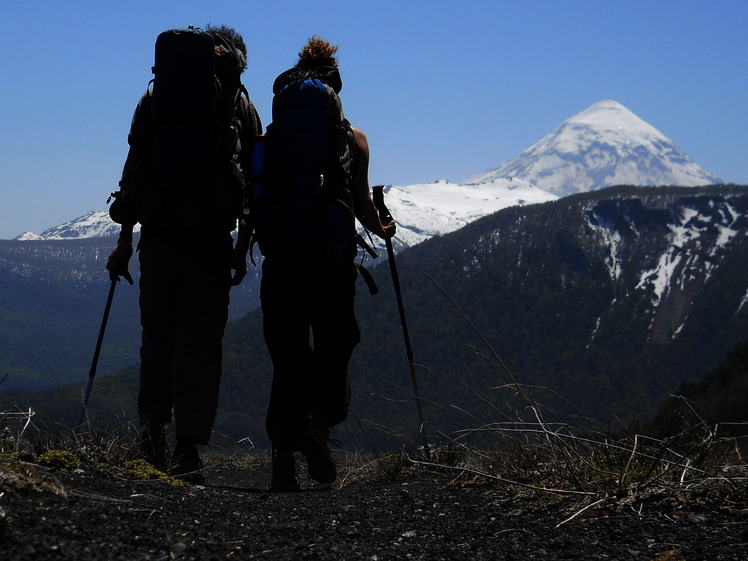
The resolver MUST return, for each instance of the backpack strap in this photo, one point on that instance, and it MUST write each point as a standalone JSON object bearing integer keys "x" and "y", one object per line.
{"x": 365, "y": 274}
{"x": 362, "y": 242}
{"x": 368, "y": 279}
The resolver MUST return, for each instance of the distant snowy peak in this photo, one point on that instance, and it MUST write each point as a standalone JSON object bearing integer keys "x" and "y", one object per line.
{"x": 604, "y": 145}
{"x": 28, "y": 236}
{"x": 95, "y": 224}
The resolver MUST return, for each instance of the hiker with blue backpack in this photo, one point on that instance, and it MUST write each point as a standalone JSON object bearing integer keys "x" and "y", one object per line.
{"x": 184, "y": 181}
{"x": 313, "y": 186}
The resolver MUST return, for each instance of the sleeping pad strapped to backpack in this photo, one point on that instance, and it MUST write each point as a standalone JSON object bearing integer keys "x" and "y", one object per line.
{"x": 186, "y": 136}
{"x": 303, "y": 203}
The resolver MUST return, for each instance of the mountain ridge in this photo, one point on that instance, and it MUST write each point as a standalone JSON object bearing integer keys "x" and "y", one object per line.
{"x": 93, "y": 224}
{"x": 421, "y": 210}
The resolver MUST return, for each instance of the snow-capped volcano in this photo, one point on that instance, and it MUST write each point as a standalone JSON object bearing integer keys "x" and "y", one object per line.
{"x": 606, "y": 144}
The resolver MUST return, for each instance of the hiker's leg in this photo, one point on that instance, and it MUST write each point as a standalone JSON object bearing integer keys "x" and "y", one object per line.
{"x": 158, "y": 320}
{"x": 336, "y": 334}
{"x": 286, "y": 331}
{"x": 203, "y": 304}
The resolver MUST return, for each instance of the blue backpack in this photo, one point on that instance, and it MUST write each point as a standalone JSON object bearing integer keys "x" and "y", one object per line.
{"x": 302, "y": 199}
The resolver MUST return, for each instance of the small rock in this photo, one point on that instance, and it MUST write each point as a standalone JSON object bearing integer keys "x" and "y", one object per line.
{"x": 409, "y": 534}
{"x": 177, "y": 549}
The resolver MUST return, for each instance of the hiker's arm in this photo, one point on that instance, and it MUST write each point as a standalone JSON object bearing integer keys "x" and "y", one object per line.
{"x": 367, "y": 212}
{"x": 139, "y": 127}
{"x": 240, "y": 254}
{"x": 251, "y": 126}
{"x": 118, "y": 263}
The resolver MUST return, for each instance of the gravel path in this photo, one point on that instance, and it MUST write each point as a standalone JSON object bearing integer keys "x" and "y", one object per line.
{"x": 416, "y": 513}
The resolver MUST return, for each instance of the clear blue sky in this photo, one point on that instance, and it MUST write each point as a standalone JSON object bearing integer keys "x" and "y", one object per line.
{"x": 443, "y": 89}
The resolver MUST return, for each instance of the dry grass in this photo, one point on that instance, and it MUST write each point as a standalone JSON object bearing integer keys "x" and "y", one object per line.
{"x": 548, "y": 451}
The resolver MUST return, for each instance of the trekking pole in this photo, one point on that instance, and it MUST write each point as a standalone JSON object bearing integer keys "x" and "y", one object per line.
{"x": 384, "y": 217}
{"x": 92, "y": 372}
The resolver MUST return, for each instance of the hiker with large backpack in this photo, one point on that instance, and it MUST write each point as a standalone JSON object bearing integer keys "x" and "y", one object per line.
{"x": 313, "y": 185}
{"x": 183, "y": 181}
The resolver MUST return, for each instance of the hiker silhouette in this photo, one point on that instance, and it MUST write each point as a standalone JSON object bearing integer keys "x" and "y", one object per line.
{"x": 190, "y": 142}
{"x": 315, "y": 180}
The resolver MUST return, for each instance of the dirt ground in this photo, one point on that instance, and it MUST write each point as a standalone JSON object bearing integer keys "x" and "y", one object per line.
{"x": 413, "y": 512}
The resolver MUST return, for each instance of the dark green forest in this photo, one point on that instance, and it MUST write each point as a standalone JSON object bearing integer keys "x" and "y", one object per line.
{"x": 53, "y": 297}
{"x": 718, "y": 401}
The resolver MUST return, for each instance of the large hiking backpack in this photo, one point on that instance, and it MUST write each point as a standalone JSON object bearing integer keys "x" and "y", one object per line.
{"x": 188, "y": 173}
{"x": 305, "y": 203}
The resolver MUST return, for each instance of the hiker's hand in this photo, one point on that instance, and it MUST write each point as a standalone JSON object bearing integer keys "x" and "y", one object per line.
{"x": 239, "y": 267}
{"x": 119, "y": 262}
{"x": 388, "y": 230}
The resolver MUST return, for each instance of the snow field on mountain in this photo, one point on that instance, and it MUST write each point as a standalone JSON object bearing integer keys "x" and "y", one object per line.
{"x": 432, "y": 209}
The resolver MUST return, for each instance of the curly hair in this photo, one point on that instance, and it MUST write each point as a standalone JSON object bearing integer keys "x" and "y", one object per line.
{"x": 230, "y": 35}
{"x": 317, "y": 52}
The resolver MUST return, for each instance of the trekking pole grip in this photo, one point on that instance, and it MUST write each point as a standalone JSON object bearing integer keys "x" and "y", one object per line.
{"x": 378, "y": 198}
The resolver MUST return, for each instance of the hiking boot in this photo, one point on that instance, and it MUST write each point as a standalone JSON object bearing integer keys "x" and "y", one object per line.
{"x": 153, "y": 448}
{"x": 186, "y": 464}
{"x": 284, "y": 472}
{"x": 314, "y": 447}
